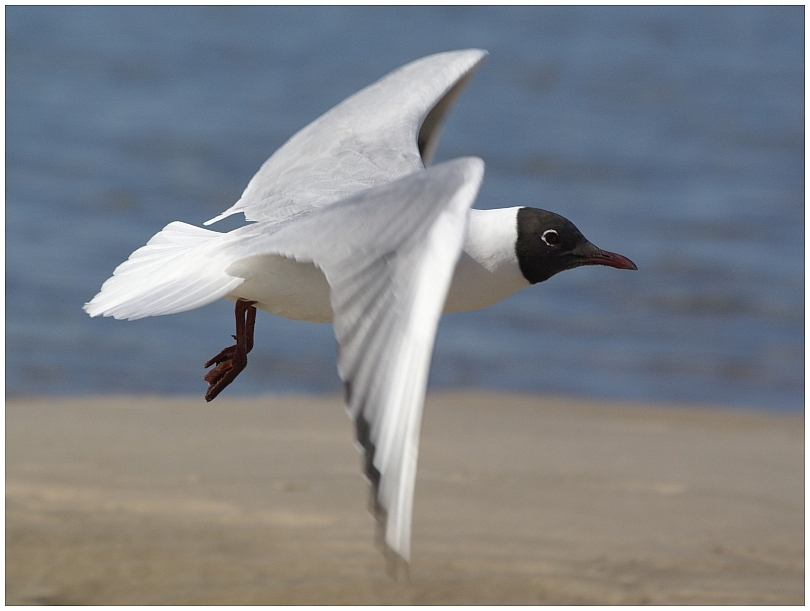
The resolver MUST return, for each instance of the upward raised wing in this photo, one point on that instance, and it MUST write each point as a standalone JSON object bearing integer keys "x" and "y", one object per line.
{"x": 381, "y": 133}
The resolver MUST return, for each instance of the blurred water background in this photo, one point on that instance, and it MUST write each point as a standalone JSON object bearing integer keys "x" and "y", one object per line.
{"x": 674, "y": 136}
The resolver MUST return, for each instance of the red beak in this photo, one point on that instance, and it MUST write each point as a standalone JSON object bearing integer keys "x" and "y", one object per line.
{"x": 611, "y": 259}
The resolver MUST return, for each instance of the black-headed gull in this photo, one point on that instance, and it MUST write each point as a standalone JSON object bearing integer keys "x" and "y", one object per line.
{"x": 350, "y": 227}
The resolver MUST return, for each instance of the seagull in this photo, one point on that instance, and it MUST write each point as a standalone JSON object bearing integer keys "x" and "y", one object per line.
{"x": 349, "y": 223}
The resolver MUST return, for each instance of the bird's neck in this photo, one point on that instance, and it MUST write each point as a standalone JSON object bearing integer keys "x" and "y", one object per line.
{"x": 491, "y": 237}
{"x": 488, "y": 269}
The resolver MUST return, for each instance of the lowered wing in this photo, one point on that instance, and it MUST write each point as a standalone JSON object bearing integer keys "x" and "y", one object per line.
{"x": 389, "y": 255}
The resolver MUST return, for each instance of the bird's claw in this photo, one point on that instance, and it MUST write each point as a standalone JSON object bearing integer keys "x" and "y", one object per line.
{"x": 225, "y": 372}
{"x": 232, "y": 360}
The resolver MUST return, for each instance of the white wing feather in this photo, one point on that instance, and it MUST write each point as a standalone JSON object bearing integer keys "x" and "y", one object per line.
{"x": 381, "y": 133}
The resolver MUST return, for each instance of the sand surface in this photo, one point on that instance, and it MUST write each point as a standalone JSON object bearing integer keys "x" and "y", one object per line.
{"x": 143, "y": 500}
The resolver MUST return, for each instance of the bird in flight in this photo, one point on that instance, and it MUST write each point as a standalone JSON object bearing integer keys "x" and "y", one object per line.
{"x": 350, "y": 224}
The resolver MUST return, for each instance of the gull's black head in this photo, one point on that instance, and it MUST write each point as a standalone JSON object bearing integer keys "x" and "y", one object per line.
{"x": 548, "y": 243}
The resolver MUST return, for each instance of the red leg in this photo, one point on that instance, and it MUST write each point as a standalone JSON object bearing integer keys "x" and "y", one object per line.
{"x": 233, "y": 359}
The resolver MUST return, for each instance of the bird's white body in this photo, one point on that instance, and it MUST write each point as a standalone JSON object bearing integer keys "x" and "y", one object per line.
{"x": 350, "y": 225}
{"x": 486, "y": 273}
{"x": 284, "y": 287}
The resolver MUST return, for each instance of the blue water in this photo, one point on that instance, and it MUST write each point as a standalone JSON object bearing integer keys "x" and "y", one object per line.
{"x": 672, "y": 135}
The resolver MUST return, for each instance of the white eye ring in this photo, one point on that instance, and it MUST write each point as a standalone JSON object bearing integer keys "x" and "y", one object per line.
{"x": 551, "y": 237}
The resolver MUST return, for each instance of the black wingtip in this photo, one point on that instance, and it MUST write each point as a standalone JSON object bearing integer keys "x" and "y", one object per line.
{"x": 395, "y": 565}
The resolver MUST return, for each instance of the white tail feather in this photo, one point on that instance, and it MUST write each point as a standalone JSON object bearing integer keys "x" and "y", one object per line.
{"x": 175, "y": 271}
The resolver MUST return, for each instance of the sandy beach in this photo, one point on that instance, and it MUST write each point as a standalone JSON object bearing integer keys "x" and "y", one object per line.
{"x": 519, "y": 499}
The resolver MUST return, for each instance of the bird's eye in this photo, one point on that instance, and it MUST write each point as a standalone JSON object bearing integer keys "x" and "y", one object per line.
{"x": 551, "y": 237}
